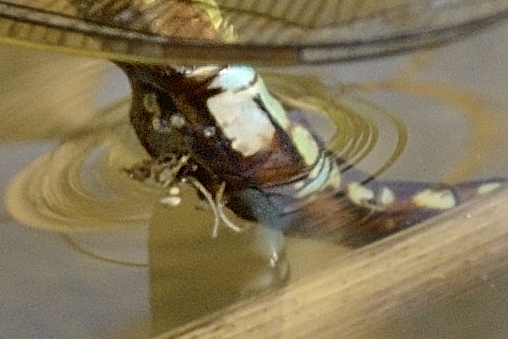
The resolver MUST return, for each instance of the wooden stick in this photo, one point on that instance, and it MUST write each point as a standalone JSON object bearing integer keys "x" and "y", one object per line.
{"x": 376, "y": 284}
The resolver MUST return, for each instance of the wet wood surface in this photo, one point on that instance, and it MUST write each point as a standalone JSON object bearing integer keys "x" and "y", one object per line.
{"x": 377, "y": 284}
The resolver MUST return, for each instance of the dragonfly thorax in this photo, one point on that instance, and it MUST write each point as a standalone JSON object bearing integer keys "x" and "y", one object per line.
{"x": 225, "y": 118}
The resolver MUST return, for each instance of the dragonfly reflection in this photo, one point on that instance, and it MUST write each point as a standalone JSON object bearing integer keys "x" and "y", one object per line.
{"x": 220, "y": 129}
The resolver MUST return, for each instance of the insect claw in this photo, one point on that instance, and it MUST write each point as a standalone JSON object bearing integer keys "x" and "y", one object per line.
{"x": 217, "y": 206}
{"x": 208, "y": 196}
{"x": 219, "y": 201}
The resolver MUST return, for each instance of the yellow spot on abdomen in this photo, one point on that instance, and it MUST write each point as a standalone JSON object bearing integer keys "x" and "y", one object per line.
{"x": 359, "y": 194}
{"x": 487, "y": 188}
{"x": 387, "y": 197}
{"x": 440, "y": 200}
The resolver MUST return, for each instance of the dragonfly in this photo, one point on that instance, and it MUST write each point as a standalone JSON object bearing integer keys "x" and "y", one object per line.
{"x": 210, "y": 121}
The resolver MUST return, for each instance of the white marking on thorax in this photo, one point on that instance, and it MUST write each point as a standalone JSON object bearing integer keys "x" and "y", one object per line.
{"x": 275, "y": 109}
{"x": 242, "y": 121}
{"x": 305, "y": 144}
{"x": 237, "y": 114}
{"x": 245, "y": 123}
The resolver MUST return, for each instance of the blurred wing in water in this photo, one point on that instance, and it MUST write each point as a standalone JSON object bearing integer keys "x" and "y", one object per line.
{"x": 271, "y": 32}
{"x": 120, "y": 30}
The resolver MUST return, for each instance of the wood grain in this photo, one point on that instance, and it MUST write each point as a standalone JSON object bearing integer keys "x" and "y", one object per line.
{"x": 376, "y": 284}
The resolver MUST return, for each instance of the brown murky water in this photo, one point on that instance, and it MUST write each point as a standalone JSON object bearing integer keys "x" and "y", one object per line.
{"x": 87, "y": 252}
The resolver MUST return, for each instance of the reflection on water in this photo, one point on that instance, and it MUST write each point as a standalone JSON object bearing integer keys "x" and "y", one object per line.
{"x": 80, "y": 189}
{"x": 49, "y": 290}
{"x": 192, "y": 274}
{"x": 125, "y": 263}
{"x": 81, "y": 185}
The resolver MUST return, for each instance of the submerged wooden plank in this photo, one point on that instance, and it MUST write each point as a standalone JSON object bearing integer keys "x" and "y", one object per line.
{"x": 376, "y": 284}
